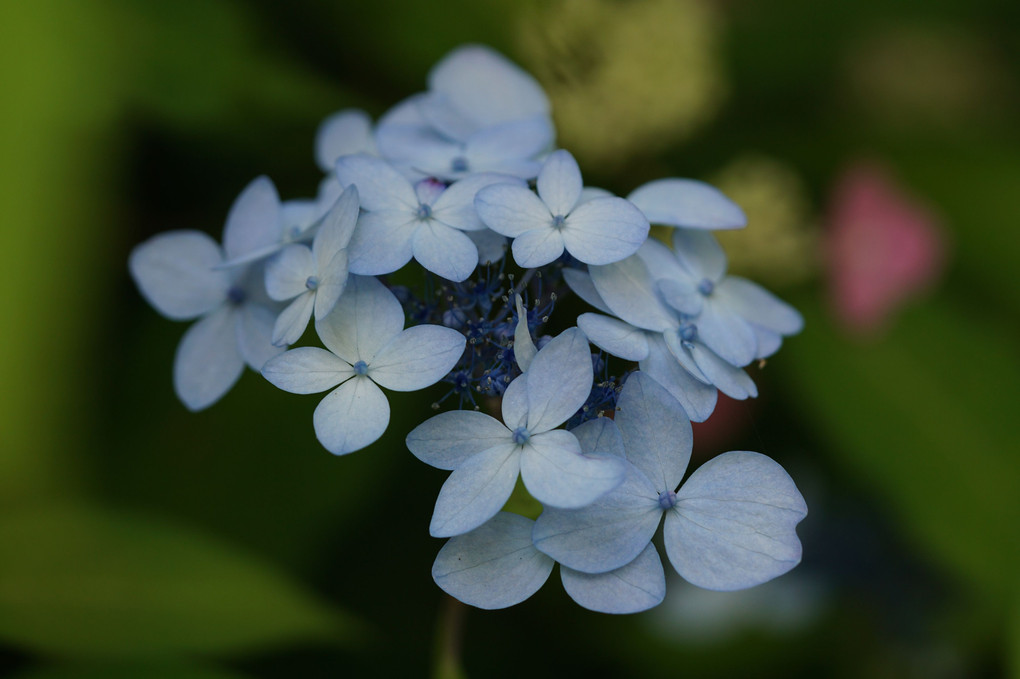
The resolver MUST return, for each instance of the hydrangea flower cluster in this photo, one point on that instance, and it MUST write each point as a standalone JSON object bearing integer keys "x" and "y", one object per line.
{"x": 593, "y": 422}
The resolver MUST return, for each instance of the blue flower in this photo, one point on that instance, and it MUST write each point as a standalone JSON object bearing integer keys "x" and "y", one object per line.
{"x": 687, "y": 203}
{"x": 366, "y": 346}
{"x": 596, "y": 231}
{"x": 487, "y": 456}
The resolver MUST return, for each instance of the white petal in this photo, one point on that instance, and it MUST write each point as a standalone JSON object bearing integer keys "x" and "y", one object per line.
{"x": 352, "y": 416}
{"x": 700, "y": 253}
{"x": 501, "y": 147}
{"x": 419, "y": 147}
{"x": 558, "y": 475}
{"x": 449, "y": 439}
{"x": 515, "y": 402}
{"x": 253, "y": 223}
{"x": 332, "y": 283}
{"x": 456, "y": 205}
{"x": 681, "y": 295}
{"x": 337, "y": 228}
{"x": 306, "y": 370}
{"x": 511, "y": 210}
{"x": 600, "y": 435}
{"x": 487, "y": 87}
{"x": 687, "y": 203}
{"x": 380, "y": 186}
{"x": 491, "y": 245}
{"x": 365, "y": 319}
{"x": 287, "y": 273}
{"x": 417, "y": 357}
{"x": 663, "y": 263}
{"x": 681, "y": 351}
{"x": 442, "y": 114}
{"x": 382, "y": 242}
{"x": 254, "y": 334}
{"x": 493, "y": 566}
{"x": 476, "y": 491}
{"x": 656, "y": 432}
{"x": 727, "y": 334}
{"x": 731, "y": 381}
{"x": 174, "y": 272}
{"x": 768, "y": 341}
{"x": 537, "y": 247}
{"x": 758, "y": 306}
{"x": 606, "y": 534}
{"x": 628, "y": 289}
{"x": 698, "y": 399}
{"x": 524, "y": 346}
{"x": 293, "y": 320}
{"x": 342, "y": 134}
{"x": 208, "y": 361}
{"x": 614, "y": 336}
{"x": 581, "y": 284}
{"x": 604, "y": 230}
{"x": 444, "y": 251}
{"x": 559, "y": 380}
{"x": 636, "y": 587}
{"x": 559, "y": 183}
{"x": 734, "y": 523}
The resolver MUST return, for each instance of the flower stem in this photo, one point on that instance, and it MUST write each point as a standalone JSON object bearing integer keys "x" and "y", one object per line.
{"x": 451, "y": 628}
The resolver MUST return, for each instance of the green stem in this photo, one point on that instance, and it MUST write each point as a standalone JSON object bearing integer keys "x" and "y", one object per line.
{"x": 451, "y": 628}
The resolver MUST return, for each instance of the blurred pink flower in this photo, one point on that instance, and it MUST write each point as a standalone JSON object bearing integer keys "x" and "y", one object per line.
{"x": 882, "y": 248}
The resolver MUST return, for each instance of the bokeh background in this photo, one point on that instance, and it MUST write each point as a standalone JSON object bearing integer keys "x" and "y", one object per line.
{"x": 875, "y": 147}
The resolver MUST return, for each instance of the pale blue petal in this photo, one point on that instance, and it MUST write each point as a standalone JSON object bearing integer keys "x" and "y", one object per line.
{"x": 505, "y": 146}
{"x": 681, "y": 295}
{"x": 253, "y": 223}
{"x": 476, "y": 491}
{"x": 656, "y": 432}
{"x": 727, "y": 334}
{"x": 734, "y": 524}
{"x": 604, "y": 230}
{"x": 487, "y": 87}
{"x": 698, "y": 399}
{"x": 416, "y": 358}
{"x": 537, "y": 247}
{"x": 559, "y": 183}
{"x": 174, "y": 272}
{"x": 448, "y": 439}
{"x": 700, "y": 253}
{"x": 456, "y": 205}
{"x": 681, "y": 351}
{"x": 768, "y": 341}
{"x": 380, "y": 186}
{"x": 559, "y": 380}
{"x": 581, "y": 284}
{"x": 515, "y": 402}
{"x": 524, "y": 346}
{"x": 557, "y": 474}
{"x": 493, "y": 566}
{"x": 606, "y": 534}
{"x": 600, "y": 435}
{"x": 442, "y": 114}
{"x": 337, "y": 228}
{"x": 382, "y": 242}
{"x": 444, "y": 251}
{"x": 628, "y": 289}
{"x": 591, "y": 192}
{"x": 757, "y": 305}
{"x": 332, "y": 283}
{"x": 342, "y": 134}
{"x": 417, "y": 145}
{"x": 614, "y": 336}
{"x": 293, "y": 320}
{"x": 636, "y": 587}
{"x": 287, "y": 273}
{"x": 254, "y": 334}
{"x": 208, "y": 362}
{"x": 730, "y": 380}
{"x": 687, "y": 203}
{"x": 352, "y": 416}
{"x": 511, "y": 210}
{"x": 365, "y": 319}
{"x": 663, "y": 263}
{"x": 306, "y": 370}
{"x": 491, "y": 245}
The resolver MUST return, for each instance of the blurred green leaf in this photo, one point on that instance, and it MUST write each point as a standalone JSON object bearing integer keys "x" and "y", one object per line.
{"x": 81, "y": 581}
{"x": 926, "y": 415}
{"x": 161, "y": 670}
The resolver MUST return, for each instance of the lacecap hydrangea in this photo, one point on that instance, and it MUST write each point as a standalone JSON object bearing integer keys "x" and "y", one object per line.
{"x": 465, "y": 181}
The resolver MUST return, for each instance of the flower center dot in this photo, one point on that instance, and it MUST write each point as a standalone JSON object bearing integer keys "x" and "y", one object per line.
{"x": 559, "y": 221}
{"x": 236, "y": 295}
{"x": 521, "y": 436}
{"x": 667, "y": 499}
{"x": 459, "y": 164}
{"x": 312, "y": 282}
{"x": 424, "y": 212}
{"x": 294, "y": 233}
{"x": 360, "y": 368}
{"x": 688, "y": 331}
{"x": 705, "y": 287}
